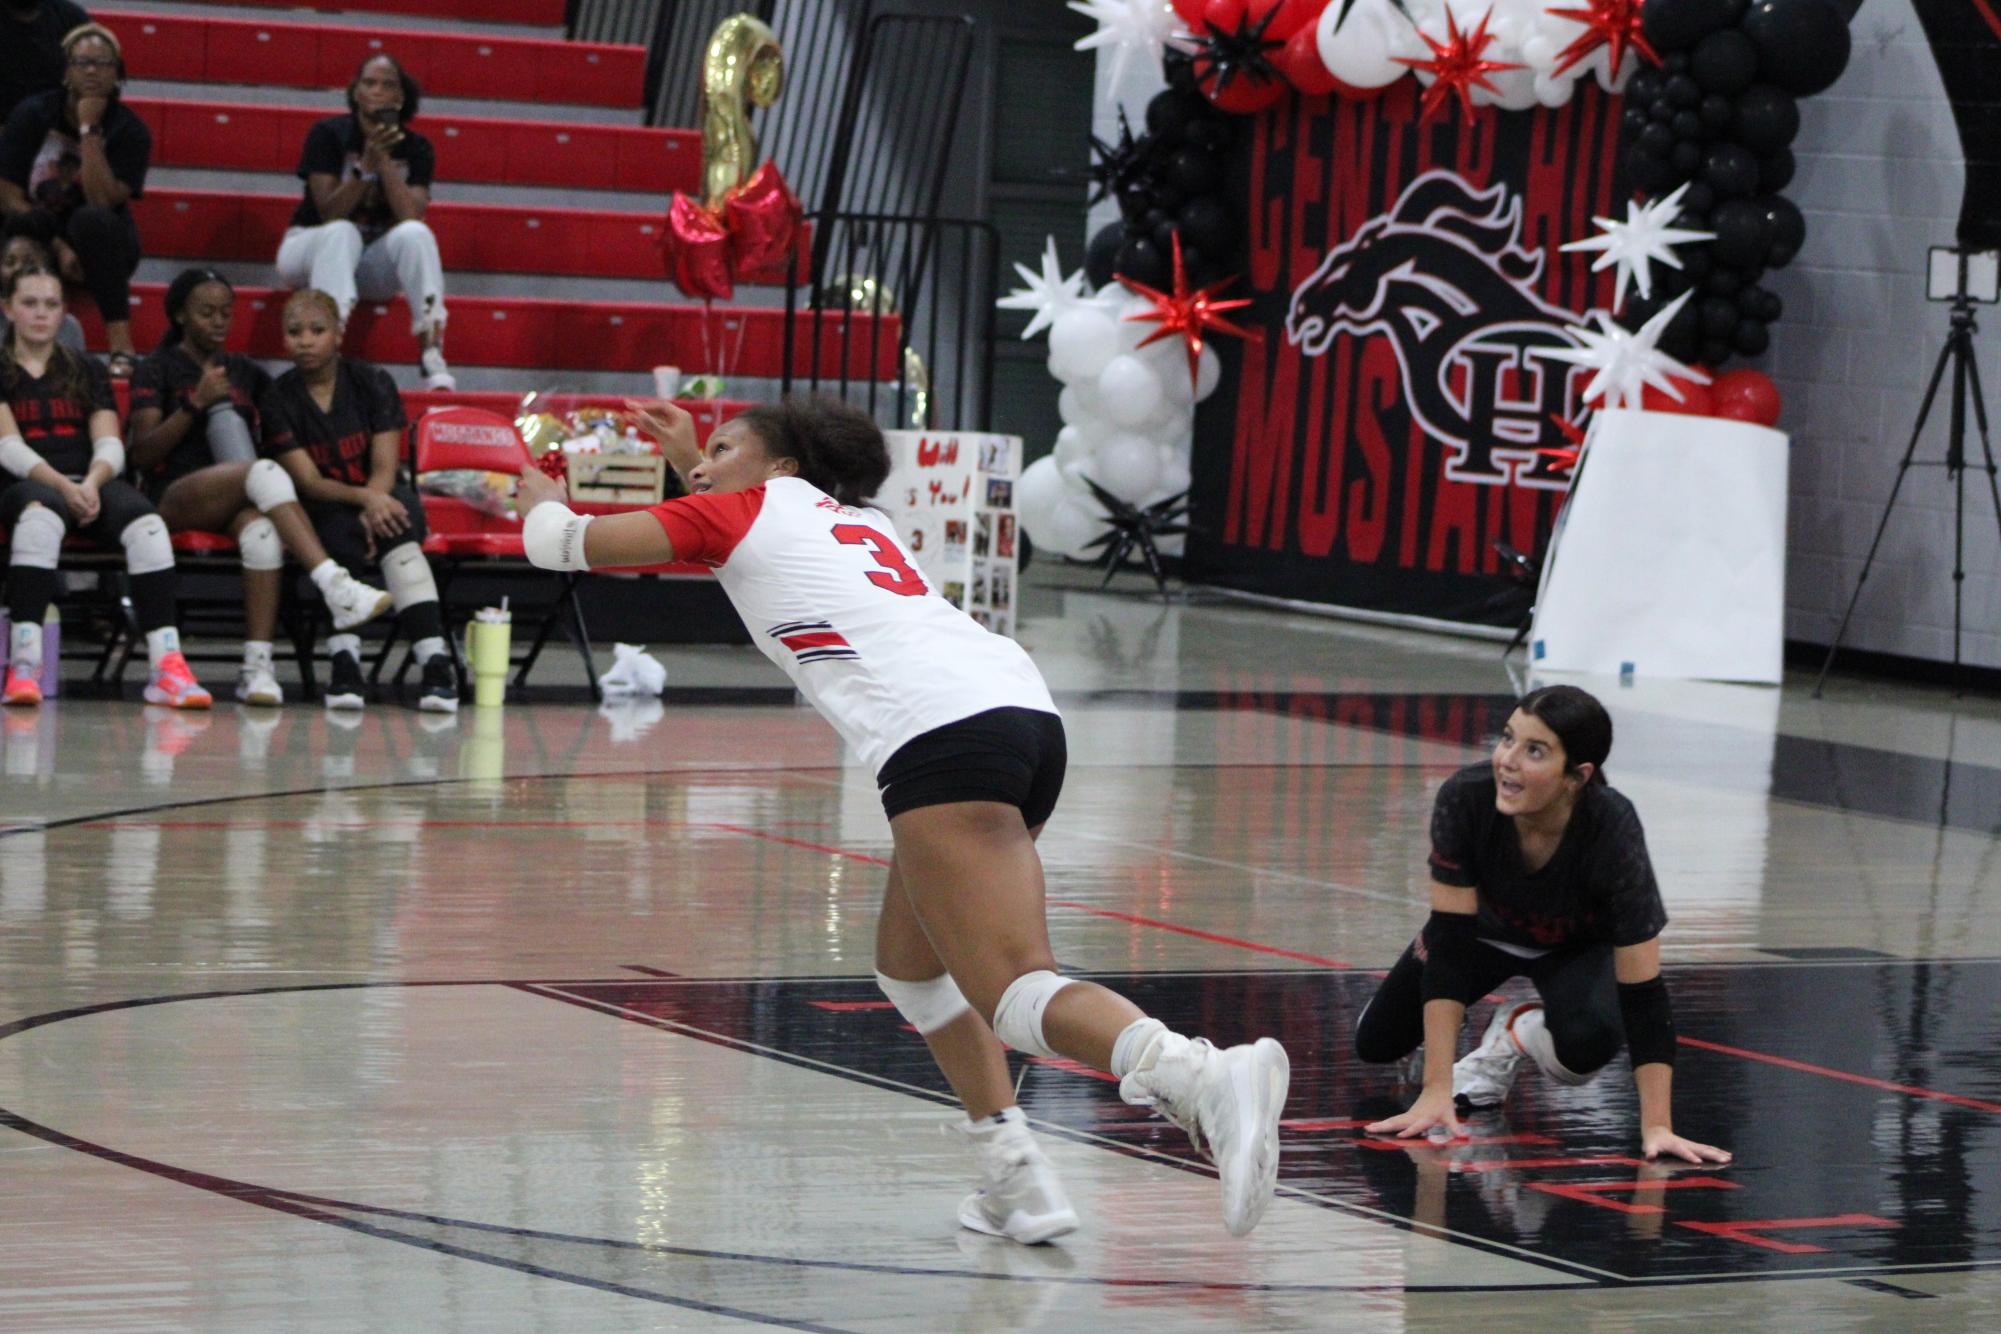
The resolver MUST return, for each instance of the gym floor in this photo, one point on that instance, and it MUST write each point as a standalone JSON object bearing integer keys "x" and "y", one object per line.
{"x": 557, "y": 1016}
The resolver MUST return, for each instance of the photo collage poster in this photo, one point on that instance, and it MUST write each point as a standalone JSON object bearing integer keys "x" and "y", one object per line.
{"x": 951, "y": 496}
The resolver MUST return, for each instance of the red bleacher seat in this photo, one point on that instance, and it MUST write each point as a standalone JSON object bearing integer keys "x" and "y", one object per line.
{"x": 203, "y": 544}
{"x": 544, "y": 13}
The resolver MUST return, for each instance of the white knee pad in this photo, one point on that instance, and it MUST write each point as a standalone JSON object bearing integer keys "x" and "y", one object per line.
{"x": 38, "y": 538}
{"x": 268, "y": 485}
{"x": 1018, "y": 1017}
{"x": 925, "y": 1006}
{"x": 408, "y": 576}
{"x": 1531, "y": 1034}
{"x": 259, "y": 546}
{"x": 148, "y": 549}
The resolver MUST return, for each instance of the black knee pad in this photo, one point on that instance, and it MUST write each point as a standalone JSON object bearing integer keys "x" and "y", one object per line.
{"x": 1584, "y": 1043}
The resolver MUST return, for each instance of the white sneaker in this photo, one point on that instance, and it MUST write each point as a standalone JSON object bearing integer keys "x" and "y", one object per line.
{"x": 1483, "y": 1076}
{"x": 353, "y": 602}
{"x": 1410, "y": 1070}
{"x": 437, "y": 375}
{"x": 1019, "y": 1196}
{"x": 256, "y": 685}
{"x": 1229, "y": 1101}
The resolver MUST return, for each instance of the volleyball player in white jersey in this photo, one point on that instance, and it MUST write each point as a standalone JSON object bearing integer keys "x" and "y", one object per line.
{"x": 969, "y": 753}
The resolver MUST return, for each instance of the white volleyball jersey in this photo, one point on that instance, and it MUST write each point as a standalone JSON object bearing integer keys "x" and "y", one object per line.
{"x": 833, "y": 597}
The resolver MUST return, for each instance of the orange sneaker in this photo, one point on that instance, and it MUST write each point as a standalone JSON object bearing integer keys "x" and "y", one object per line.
{"x": 175, "y": 686}
{"x": 23, "y": 688}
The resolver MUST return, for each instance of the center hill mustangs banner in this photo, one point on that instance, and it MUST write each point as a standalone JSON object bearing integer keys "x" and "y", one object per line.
{"x": 1384, "y": 434}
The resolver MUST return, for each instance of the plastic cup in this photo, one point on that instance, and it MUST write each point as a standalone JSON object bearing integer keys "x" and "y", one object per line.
{"x": 489, "y": 640}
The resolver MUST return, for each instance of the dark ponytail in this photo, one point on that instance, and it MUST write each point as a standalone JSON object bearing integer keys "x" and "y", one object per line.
{"x": 1579, "y": 721}
{"x": 837, "y": 446}
{"x": 178, "y": 291}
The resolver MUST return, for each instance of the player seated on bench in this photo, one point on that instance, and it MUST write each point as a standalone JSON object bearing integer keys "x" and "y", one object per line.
{"x": 62, "y": 455}
{"x": 194, "y": 450}
{"x": 336, "y": 425}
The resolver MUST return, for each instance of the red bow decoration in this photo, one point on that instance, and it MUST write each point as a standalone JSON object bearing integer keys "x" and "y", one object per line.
{"x": 708, "y": 250}
{"x": 1187, "y": 312}
{"x": 1455, "y": 64}
{"x": 1613, "y": 23}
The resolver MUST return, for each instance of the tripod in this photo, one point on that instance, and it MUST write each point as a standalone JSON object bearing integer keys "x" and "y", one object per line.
{"x": 1957, "y": 353}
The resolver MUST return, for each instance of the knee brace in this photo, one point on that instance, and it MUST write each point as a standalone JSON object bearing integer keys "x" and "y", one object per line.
{"x": 925, "y": 1006}
{"x": 259, "y": 546}
{"x": 1018, "y": 1017}
{"x": 268, "y": 485}
{"x": 148, "y": 549}
{"x": 1532, "y": 1035}
{"x": 38, "y": 538}
{"x": 408, "y": 576}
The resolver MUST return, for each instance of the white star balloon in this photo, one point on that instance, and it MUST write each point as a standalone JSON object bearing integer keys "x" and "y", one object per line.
{"x": 1626, "y": 361}
{"x": 1646, "y": 236}
{"x": 1130, "y": 27}
{"x": 1048, "y": 293}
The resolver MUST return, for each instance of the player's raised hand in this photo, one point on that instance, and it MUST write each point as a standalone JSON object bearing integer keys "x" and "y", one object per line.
{"x": 673, "y": 427}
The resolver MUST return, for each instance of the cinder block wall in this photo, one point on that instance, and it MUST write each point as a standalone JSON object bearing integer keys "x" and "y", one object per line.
{"x": 1880, "y": 176}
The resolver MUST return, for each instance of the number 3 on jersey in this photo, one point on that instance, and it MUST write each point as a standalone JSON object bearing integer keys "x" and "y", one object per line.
{"x": 901, "y": 578}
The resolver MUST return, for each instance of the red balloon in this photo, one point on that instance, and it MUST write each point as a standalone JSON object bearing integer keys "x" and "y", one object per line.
{"x": 1301, "y": 64}
{"x": 1243, "y": 96}
{"x": 1695, "y": 400}
{"x": 1222, "y": 15}
{"x": 698, "y": 251}
{"x": 1293, "y": 17}
{"x": 1746, "y": 396}
{"x": 762, "y": 218}
{"x": 1190, "y": 11}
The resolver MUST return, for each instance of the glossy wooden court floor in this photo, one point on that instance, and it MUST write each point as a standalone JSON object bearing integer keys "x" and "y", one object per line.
{"x": 556, "y": 1017}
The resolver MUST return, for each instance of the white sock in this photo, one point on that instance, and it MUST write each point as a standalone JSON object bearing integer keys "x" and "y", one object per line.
{"x": 325, "y": 574}
{"x": 1006, "y": 1116}
{"x": 257, "y": 653}
{"x": 161, "y": 642}
{"x": 1135, "y": 1043}
{"x": 427, "y": 649}
{"x": 26, "y": 644}
{"x": 344, "y": 644}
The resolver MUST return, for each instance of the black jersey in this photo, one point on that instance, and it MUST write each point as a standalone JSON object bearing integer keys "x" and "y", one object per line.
{"x": 334, "y": 147}
{"x": 165, "y": 380}
{"x": 1598, "y": 887}
{"x": 54, "y": 421}
{"x": 365, "y": 402}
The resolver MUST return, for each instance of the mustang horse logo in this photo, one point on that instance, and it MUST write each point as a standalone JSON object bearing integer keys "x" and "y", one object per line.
{"x": 1444, "y": 275}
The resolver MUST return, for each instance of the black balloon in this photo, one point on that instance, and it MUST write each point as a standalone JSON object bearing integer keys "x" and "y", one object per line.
{"x": 1788, "y": 229}
{"x": 1661, "y": 109}
{"x": 1209, "y": 131}
{"x": 1699, "y": 199}
{"x": 1717, "y": 111}
{"x": 1743, "y": 233}
{"x": 1657, "y": 139}
{"x": 1194, "y": 171}
{"x": 1686, "y": 159}
{"x": 1802, "y": 44}
{"x": 1723, "y": 62}
{"x": 1142, "y": 261}
{"x": 1135, "y": 202}
{"x": 1675, "y": 26}
{"x": 1770, "y": 307}
{"x": 1179, "y": 68}
{"x": 1767, "y": 118}
{"x": 1775, "y": 173}
{"x": 1683, "y": 91}
{"x": 1675, "y": 62}
{"x": 1633, "y": 120}
{"x": 1101, "y": 256}
{"x": 1649, "y": 173}
{"x": 1751, "y": 337}
{"x": 1730, "y": 170}
{"x": 1207, "y": 224}
{"x": 1162, "y": 235}
{"x": 1722, "y": 282}
{"x": 1168, "y": 114}
{"x": 1719, "y": 316}
{"x": 1696, "y": 261}
{"x": 1644, "y": 86}
{"x": 1713, "y": 352}
{"x": 1686, "y": 125}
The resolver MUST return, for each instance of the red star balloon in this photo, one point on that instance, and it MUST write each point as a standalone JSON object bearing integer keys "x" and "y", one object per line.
{"x": 1455, "y": 64}
{"x": 1563, "y": 460}
{"x": 1186, "y": 312}
{"x": 1613, "y": 23}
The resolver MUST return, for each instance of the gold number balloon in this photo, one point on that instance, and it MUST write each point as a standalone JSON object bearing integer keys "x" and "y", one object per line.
{"x": 742, "y": 68}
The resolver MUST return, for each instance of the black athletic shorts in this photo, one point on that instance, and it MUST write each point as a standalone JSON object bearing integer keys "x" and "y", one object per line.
{"x": 1013, "y": 756}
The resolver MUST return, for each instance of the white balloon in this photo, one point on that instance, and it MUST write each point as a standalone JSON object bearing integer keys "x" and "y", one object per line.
{"x": 1127, "y": 466}
{"x": 1071, "y": 527}
{"x": 1081, "y": 341}
{"x": 1129, "y": 390}
{"x": 1208, "y": 374}
{"x": 1177, "y": 388}
{"x": 1068, "y": 406}
{"x": 1037, "y": 493}
{"x": 1070, "y": 445}
{"x": 1358, "y": 51}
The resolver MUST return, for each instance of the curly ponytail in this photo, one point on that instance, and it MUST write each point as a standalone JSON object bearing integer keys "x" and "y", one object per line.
{"x": 837, "y": 446}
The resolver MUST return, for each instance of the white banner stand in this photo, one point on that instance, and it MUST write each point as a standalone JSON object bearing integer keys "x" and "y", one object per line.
{"x": 1670, "y": 557}
{"x": 951, "y": 496}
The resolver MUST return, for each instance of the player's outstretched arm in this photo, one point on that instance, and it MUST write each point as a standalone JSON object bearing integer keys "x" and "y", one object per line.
{"x": 556, "y": 538}
{"x": 1650, "y": 1039}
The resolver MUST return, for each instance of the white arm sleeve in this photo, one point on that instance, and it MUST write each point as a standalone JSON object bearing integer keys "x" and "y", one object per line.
{"x": 109, "y": 449}
{"x": 17, "y": 456}
{"x": 553, "y": 537}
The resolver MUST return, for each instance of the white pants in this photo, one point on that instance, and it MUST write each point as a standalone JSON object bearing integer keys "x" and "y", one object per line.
{"x": 332, "y": 258}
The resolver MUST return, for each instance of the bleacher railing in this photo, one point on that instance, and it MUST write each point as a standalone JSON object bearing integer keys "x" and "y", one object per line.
{"x": 938, "y": 276}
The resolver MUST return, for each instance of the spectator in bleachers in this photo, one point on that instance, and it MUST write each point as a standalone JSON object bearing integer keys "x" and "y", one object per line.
{"x": 18, "y": 251}
{"x": 31, "y": 33}
{"x": 71, "y": 162}
{"x": 360, "y": 229}
{"x": 337, "y": 426}
{"x": 194, "y": 451}
{"x": 62, "y": 456}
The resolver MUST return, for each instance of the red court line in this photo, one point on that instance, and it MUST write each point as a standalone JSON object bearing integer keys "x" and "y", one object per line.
{"x": 1069, "y": 1066}
{"x": 1157, "y": 924}
{"x": 847, "y": 1007}
{"x": 1389, "y": 1145}
{"x": 1591, "y": 1192}
{"x": 748, "y": 832}
{"x": 1746, "y": 1230}
{"x": 1866, "y": 1080}
{"x": 1536, "y": 1164}
{"x": 1334, "y": 1124}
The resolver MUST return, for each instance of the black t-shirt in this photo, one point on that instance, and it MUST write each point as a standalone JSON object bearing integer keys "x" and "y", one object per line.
{"x": 164, "y": 381}
{"x": 39, "y": 153}
{"x": 34, "y": 62}
{"x": 365, "y": 402}
{"x": 56, "y": 425}
{"x": 1598, "y": 887}
{"x": 334, "y": 147}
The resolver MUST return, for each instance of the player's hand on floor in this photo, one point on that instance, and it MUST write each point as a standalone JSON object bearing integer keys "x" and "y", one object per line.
{"x": 1432, "y": 1111}
{"x": 1658, "y": 1141}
